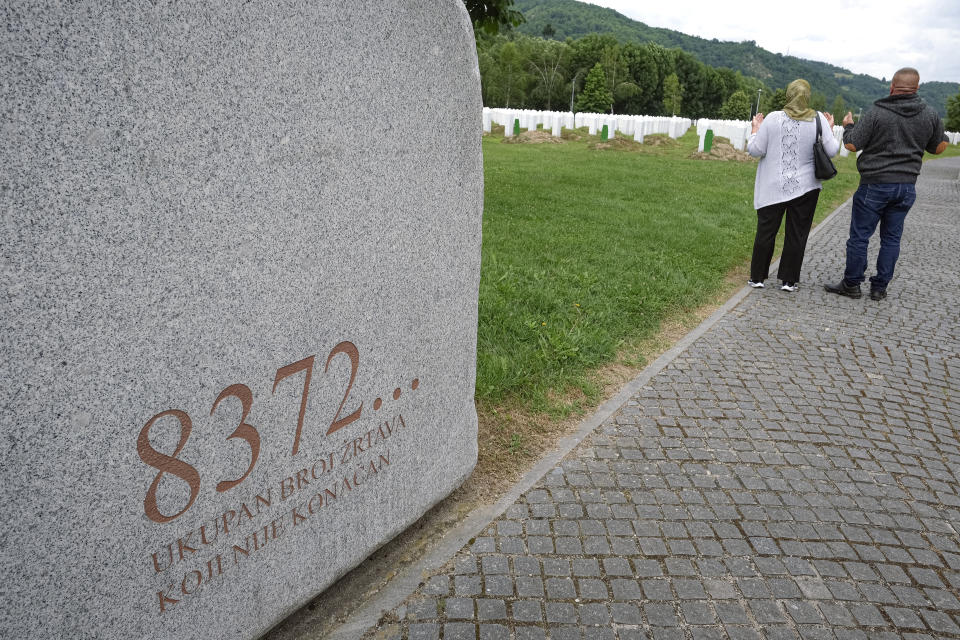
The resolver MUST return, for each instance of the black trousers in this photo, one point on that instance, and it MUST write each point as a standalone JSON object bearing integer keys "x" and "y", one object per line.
{"x": 799, "y": 219}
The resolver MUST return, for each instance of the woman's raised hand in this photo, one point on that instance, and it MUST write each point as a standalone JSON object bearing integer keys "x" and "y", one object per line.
{"x": 756, "y": 122}
{"x": 829, "y": 117}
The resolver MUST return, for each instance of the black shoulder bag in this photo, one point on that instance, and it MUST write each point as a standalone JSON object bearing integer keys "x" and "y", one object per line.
{"x": 823, "y": 167}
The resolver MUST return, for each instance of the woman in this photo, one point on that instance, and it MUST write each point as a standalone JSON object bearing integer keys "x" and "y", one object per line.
{"x": 785, "y": 182}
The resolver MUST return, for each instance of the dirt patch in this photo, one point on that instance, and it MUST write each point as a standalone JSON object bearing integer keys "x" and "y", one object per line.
{"x": 659, "y": 140}
{"x": 618, "y": 144}
{"x": 534, "y": 136}
{"x": 724, "y": 152}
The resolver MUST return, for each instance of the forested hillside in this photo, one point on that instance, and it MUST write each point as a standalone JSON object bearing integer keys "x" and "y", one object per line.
{"x": 598, "y": 73}
{"x": 561, "y": 19}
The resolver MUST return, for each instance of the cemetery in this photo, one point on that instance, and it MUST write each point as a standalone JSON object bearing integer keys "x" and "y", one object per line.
{"x": 736, "y": 131}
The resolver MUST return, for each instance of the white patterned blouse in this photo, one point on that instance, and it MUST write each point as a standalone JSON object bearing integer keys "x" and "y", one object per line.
{"x": 785, "y": 149}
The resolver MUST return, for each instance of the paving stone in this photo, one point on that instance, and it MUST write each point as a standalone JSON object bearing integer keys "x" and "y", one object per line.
{"x": 459, "y": 608}
{"x": 662, "y": 615}
{"x": 530, "y": 633}
{"x": 524, "y": 565}
{"x": 836, "y": 614}
{"x": 556, "y": 567}
{"x": 560, "y": 612}
{"x": 624, "y": 589}
{"x": 802, "y": 612}
{"x": 940, "y": 622}
{"x": 529, "y": 587}
{"x": 495, "y": 564}
{"x": 467, "y": 585}
{"x": 646, "y": 568}
{"x": 731, "y": 613}
{"x": 424, "y": 631}
{"x": 868, "y": 615}
{"x": 624, "y": 613}
{"x": 498, "y": 586}
{"x": 618, "y": 567}
{"x": 698, "y": 612}
{"x": 560, "y": 589}
{"x": 594, "y": 614}
{"x": 494, "y": 632}
{"x": 425, "y": 609}
{"x": 590, "y": 567}
{"x": 656, "y": 589}
{"x": 527, "y": 610}
{"x": 459, "y": 631}
{"x": 766, "y": 611}
{"x": 488, "y": 609}
{"x": 592, "y": 589}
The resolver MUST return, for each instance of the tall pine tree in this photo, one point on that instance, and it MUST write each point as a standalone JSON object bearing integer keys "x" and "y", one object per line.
{"x": 595, "y": 97}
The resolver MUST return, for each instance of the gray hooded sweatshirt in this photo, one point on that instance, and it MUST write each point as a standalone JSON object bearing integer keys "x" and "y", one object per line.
{"x": 893, "y": 136}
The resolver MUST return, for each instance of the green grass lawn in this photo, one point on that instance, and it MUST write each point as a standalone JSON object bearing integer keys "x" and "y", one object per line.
{"x": 586, "y": 251}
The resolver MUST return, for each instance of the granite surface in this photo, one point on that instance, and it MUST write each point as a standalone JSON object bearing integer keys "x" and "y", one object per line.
{"x": 240, "y": 260}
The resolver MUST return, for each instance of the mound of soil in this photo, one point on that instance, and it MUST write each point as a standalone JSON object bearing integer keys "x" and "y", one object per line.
{"x": 659, "y": 140}
{"x": 619, "y": 144}
{"x": 724, "y": 152}
{"x": 534, "y": 136}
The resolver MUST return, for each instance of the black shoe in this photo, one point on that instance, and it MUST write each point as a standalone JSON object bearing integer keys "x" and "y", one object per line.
{"x": 843, "y": 289}
{"x": 878, "y": 294}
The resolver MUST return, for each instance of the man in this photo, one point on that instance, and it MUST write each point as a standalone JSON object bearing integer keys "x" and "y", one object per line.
{"x": 892, "y": 136}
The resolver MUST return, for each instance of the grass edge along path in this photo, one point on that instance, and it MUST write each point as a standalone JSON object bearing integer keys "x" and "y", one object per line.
{"x": 526, "y": 188}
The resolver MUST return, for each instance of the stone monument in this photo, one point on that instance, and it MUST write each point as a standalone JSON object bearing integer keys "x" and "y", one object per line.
{"x": 240, "y": 258}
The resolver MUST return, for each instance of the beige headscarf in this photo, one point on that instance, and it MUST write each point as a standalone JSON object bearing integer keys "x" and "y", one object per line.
{"x": 798, "y": 99}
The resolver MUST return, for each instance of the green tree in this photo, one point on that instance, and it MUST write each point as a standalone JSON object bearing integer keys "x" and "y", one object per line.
{"x": 511, "y": 78}
{"x": 547, "y": 59}
{"x": 818, "y": 101}
{"x": 617, "y": 71}
{"x": 595, "y": 97}
{"x": 491, "y": 15}
{"x": 672, "y": 94}
{"x": 777, "y": 100}
{"x": 737, "y": 107}
{"x": 839, "y": 108}
{"x": 952, "y": 122}
{"x": 549, "y": 32}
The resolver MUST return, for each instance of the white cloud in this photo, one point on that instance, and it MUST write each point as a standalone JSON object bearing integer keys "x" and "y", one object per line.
{"x": 864, "y": 36}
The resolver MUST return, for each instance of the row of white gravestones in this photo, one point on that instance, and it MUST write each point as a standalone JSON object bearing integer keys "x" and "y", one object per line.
{"x": 628, "y": 125}
{"x": 737, "y": 132}
{"x": 953, "y": 137}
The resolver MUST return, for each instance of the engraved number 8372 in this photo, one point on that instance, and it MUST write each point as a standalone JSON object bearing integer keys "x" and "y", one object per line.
{"x": 170, "y": 463}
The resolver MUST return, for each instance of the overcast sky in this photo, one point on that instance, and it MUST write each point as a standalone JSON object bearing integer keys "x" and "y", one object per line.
{"x": 875, "y": 37}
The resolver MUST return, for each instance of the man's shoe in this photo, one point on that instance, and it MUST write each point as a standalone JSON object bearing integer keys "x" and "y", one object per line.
{"x": 878, "y": 294}
{"x": 755, "y": 285}
{"x": 843, "y": 289}
{"x": 789, "y": 286}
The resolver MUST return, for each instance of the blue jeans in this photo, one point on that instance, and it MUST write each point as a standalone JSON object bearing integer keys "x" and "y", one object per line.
{"x": 873, "y": 204}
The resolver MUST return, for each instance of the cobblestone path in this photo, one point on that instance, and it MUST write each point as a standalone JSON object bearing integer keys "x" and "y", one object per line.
{"x": 794, "y": 473}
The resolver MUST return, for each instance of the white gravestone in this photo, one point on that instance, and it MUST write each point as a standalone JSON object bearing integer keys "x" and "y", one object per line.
{"x": 239, "y": 303}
